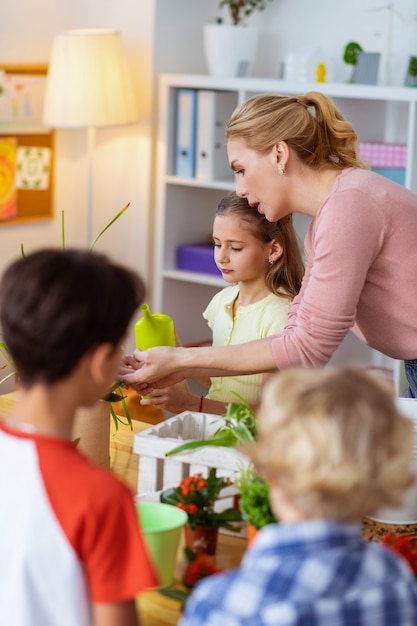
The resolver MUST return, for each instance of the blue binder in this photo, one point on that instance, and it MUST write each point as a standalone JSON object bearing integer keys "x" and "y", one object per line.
{"x": 185, "y": 132}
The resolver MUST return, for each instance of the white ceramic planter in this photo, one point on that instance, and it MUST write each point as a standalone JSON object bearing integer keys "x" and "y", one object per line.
{"x": 230, "y": 50}
{"x": 407, "y": 513}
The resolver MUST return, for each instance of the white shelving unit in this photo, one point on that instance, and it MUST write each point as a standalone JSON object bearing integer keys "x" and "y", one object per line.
{"x": 185, "y": 207}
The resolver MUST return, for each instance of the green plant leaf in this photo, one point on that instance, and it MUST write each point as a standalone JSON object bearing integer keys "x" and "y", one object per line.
{"x": 221, "y": 438}
{"x": 108, "y": 226}
{"x": 351, "y": 52}
{"x": 254, "y": 498}
{"x": 174, "y": 592}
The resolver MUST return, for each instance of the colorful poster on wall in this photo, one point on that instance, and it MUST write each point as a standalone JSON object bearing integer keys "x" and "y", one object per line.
{"x": 33, "y": 167}
{"x": 21, "y": 99}
{"x": 8, "y": 192}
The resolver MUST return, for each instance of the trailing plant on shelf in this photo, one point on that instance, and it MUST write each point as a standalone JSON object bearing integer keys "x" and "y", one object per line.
{"x": 115, "y": 393}
{"x": 241, "y": 9}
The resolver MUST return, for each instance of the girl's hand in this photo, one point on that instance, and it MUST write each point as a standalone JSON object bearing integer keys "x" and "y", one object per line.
{"x": 175, "y": 399}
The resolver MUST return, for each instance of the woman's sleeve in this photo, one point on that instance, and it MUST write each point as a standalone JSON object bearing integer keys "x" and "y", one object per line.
{"x": 341, "y": 245}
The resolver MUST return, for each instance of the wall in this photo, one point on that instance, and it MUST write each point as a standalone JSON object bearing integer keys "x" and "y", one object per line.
{"x": 122, "y": 166}
{"x": 166, "y": 36}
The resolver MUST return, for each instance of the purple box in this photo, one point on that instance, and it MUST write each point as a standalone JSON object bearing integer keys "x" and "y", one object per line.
{"x": 197, "y": 257}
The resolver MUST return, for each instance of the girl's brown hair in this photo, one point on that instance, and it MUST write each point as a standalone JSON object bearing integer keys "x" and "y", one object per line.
{"x": 284, "y": 276}
{"x": 310, "y": 124}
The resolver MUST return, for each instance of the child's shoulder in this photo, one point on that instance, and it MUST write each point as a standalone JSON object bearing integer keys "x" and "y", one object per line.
{"x": 65, "y": 468}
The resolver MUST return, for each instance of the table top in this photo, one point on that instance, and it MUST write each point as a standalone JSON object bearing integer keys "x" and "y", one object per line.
{"x": 154, "y": 608}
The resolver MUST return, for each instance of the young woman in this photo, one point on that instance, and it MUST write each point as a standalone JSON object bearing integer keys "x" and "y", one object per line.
{"x": 298, "y": 154}
{"x": 263, "y": 264}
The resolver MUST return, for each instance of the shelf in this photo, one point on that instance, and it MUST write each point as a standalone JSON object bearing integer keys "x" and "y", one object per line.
{"x": 259, "y": 85}
{"x": 227, "y": 185}
{"x": 195, "y": 277}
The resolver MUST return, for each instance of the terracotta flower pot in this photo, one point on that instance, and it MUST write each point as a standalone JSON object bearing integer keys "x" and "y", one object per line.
{"x": 201, "y": 539}
{"x": 251, "y": 533}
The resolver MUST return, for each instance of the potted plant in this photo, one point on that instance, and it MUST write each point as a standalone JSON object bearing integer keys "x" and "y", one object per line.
{"x": 350, "y": 55}
{"x": 411, "y": 80}
{"x": 254, "y": 502}
{"x": 231, "y": 48}
{"x": 197, "y": 496}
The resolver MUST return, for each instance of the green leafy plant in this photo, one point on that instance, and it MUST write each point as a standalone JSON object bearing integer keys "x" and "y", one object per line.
{"x": 197, "y": 496}
{"x": 240, "y": 9}
{"x": 412, "y": 66}
{"x": 411, "y": 80}
{"x": 254, "y": 498}
{"x": 238, "y": 427}
{"x": 351, "y": 53}
{"x": 115, "y": 394}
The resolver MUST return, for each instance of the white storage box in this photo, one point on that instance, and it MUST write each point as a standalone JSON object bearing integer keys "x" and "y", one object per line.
{"x": 157, "y": 472}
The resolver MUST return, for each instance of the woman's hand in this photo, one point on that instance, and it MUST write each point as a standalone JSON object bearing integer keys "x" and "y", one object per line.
{"x": 150, "y": 369}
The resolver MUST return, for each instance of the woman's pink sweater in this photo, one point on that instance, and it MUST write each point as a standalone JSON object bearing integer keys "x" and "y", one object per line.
{"x": 361, "y": 274}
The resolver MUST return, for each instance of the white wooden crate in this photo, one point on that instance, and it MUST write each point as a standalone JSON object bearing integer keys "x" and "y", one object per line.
{"x": 157, "y": 471}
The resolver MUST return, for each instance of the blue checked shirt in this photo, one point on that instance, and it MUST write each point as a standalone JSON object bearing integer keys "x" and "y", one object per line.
{"x": 312, "y": 573}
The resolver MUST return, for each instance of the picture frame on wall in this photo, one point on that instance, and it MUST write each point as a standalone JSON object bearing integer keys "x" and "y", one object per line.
{"x": 26, "y": 146}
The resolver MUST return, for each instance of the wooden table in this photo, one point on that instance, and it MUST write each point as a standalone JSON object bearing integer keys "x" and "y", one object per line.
{"x": 154, "y": 608}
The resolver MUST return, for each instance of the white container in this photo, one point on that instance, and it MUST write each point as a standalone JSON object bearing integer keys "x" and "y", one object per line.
{"x": 407, "y": 513}
{"x": 157, "y": 471}
{"x": 230, "y": 50}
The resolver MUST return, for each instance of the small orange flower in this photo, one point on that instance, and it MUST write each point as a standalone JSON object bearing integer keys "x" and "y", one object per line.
{"x": 197, "y": 495}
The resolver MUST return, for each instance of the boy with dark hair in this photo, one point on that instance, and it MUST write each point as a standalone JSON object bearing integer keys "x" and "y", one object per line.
{"x": 71, "y": 551}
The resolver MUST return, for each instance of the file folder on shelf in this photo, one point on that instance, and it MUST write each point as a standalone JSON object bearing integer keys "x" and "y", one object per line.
{"x": 213, "y": 111}
{"x": 185, "y": 132}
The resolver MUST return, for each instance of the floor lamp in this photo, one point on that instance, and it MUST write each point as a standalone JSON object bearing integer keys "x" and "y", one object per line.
{"x": 88, "y": 86}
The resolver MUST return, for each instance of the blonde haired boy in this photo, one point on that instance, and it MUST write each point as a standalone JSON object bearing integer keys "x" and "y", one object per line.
{"x": 334, "y": 449}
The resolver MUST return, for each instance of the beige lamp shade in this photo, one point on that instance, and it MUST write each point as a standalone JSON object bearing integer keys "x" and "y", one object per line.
{"x": 88, "y": 81}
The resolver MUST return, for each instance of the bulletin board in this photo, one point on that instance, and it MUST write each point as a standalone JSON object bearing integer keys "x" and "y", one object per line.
{"x": 26, "y": 146}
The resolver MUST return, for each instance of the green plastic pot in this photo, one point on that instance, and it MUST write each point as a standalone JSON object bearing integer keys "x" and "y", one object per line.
{"x": 161, "y": 527}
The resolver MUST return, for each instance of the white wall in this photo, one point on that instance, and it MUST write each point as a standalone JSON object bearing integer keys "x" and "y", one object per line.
{"x": 161, "y": 36}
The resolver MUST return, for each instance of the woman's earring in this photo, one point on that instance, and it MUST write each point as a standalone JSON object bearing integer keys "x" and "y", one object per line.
{"x": 271, "y": 261}
{"x": 281, "y": 171}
